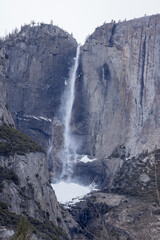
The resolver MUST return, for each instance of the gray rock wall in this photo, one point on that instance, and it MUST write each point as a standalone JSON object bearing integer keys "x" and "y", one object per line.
{"x": 116, "y": 111}
{"x": 34, "y": 64}
{"x": 5, "y": 116}
{"x": 31, "y": 193}
{"x": 119, "y": 83}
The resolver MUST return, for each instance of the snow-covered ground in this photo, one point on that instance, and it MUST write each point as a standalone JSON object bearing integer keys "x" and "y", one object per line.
{"x": 85, "y": 159}
{"x": 70, "y": 192}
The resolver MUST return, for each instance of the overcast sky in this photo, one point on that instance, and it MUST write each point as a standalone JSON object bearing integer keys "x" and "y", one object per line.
{"x": 79, "y": 17}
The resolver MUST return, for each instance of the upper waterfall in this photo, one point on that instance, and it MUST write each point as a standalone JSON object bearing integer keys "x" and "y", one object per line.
{"x": 69, "y": 151}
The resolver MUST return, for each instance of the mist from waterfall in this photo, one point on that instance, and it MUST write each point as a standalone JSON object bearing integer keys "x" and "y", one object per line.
{"x": 69, "y": 151}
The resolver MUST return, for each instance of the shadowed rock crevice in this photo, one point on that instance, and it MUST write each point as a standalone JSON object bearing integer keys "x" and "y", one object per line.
{"x": 143, "y": 71}
{"x": 80, "y": 114}
{"x": 111, "y": 40}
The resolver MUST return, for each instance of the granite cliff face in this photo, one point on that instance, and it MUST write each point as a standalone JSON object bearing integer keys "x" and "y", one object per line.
{"x": 5, "y": 116}
{"x": 35, "y": 64}
{"x": 28, "y": 192}
{"x": 33, "y": 185}
{"x": 25, "y": 190}
{"x": 115, "y": 117}
{"x": 119, "y": 86}
{"x": 33, "y": 67}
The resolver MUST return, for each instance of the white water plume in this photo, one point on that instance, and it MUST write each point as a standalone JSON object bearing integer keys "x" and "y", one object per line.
{"x": 69, "y": 151}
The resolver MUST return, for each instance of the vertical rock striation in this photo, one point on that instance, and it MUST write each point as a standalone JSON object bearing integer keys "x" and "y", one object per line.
{"x": 119, "y": 83}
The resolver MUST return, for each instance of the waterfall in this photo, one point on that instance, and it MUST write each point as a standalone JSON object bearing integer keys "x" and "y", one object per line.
{"x": 66, "y": 187}
{"x": 69, "y": 151}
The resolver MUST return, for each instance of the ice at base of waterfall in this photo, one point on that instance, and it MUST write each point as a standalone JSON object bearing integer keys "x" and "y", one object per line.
{"x": 70, "y": 192}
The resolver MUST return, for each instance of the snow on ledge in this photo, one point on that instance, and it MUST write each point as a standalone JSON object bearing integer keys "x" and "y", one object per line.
{"x": 85, "y": 159}
{"x": 38, "y": 118}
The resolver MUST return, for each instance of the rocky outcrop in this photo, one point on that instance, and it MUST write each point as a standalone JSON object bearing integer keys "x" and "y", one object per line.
{"x": 35, "y": 64}
{"x": 5, "y": 116}
{"x": 117, "y": 101}
{"x": 128, "y": 204}
{"x": 138, "y": 176}
{"x": 5, "y": 233}
{"x": 25, "y": 188}
{"x": 113, "y": 217}
{"x": 27, "y": 194}
{"x": 100, "y": 172}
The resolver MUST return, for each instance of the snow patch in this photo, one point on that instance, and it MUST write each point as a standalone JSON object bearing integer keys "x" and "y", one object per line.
{"x": 85, "y": 159}
{"x": 70, "y": 192}
{"x": 38, "y": 118}
{"x": 46, "y": 119}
